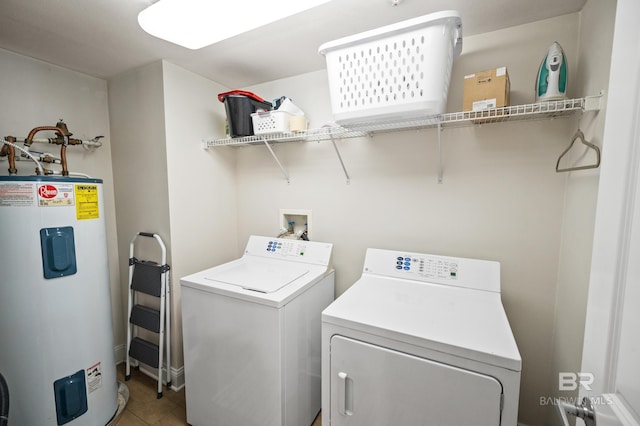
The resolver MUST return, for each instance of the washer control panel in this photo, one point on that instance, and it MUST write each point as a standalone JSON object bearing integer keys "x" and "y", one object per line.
{"x": 292, "y": 250}
{"x": 454, "y": 271}
{"x": 287, "y": 247}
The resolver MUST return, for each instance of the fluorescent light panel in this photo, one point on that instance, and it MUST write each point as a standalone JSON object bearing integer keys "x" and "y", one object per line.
{"x": 198, "y": 23}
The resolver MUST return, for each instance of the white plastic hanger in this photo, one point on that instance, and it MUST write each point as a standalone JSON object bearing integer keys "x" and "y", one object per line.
{"x": 579, "y": 135}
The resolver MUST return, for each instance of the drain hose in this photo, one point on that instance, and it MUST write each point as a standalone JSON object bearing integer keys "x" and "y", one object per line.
{"x": 4, "y": 402}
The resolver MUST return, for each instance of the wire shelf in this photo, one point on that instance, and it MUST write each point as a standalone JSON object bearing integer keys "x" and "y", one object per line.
{"x": 539, "y": 110}
{"x": 311, "y": 135}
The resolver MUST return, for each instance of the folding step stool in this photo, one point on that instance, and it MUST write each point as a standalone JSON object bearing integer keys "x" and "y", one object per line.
{"x": 150, "y": 278}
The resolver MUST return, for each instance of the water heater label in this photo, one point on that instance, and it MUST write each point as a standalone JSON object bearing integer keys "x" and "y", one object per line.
{"x": 55, "y": 194}
{"x": 87, "y": 202}
{"x": 17, "y": 194}
{"x": 94, "y": 377}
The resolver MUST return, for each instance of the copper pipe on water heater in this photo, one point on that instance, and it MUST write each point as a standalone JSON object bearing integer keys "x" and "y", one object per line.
{"x": 62, "y": 133}
{"x": 29, "y": 139}
{"x": 63, "y": 160}
{"x": 66, "y": 137}
{"x": 9, "y": 150}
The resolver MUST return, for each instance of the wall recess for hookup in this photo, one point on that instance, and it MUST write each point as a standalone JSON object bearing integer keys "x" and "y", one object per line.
{"x": 294, "y": 223}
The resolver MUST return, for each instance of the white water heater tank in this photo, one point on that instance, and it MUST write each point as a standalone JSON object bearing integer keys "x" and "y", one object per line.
{"x": 56, "y": 335}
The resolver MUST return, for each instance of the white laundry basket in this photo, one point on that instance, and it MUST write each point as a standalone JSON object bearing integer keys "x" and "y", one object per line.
{"x": 269, "y": 122}
{"x": 400, "y": 71}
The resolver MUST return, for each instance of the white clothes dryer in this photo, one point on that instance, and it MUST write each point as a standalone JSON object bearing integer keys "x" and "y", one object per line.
{"x": 420, "y": 340}
{"x": 251, "y": 331}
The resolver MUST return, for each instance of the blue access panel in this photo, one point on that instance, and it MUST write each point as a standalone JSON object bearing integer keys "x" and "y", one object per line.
{"x": 58, "y": 252}
{"x": 71, "y": 397}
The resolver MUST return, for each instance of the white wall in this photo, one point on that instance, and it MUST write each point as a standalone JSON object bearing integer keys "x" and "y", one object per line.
{"x": 139, "y": 169}
{"x": 166, "y": 182}
{"x": 35, "y": 94}
{"x": 596, "y": 38}
{"x": 501, "y": 198}
{"x": 201, "y": 183}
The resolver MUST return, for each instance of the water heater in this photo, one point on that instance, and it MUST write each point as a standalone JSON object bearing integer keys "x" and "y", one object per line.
{"x": 56, "y": 335}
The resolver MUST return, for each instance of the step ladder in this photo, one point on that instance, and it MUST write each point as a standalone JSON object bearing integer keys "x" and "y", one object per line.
{"x": 150, "y": 278}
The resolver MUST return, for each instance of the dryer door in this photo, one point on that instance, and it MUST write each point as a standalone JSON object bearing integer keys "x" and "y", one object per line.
{"x": 375, "y": 385}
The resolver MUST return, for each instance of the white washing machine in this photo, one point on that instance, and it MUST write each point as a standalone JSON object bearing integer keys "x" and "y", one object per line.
{"x": 251, "y": 331}
{"x": 420, "y": 340}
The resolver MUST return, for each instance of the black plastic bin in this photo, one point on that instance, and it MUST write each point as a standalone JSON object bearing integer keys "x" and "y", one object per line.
{"x": 239, "y": 109}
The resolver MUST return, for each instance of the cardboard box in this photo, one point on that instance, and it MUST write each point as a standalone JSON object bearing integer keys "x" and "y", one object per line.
{"x": 486, "y": 89}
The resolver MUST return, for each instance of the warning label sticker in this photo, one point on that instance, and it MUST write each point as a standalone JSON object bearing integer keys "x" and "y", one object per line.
{"x": 94, "y": 377}
{"x": 55, "y": 194}
{"x": 17, "y": 194}
{"x": 87, "y": 202}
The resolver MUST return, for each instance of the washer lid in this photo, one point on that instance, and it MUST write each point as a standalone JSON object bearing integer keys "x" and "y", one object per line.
{"x": 467, "y": 323}
{"x": 265, "y": 277}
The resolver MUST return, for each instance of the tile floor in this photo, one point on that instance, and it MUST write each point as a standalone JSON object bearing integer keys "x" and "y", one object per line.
{"x": 144, "y": 409}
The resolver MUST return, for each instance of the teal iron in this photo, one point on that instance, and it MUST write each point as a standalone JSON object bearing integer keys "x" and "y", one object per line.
{"x": 552, "y": 75}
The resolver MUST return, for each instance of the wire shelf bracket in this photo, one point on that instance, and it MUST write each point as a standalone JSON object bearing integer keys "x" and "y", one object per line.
{"x": 275, "y": 157}
{"x": 344, "y": 169}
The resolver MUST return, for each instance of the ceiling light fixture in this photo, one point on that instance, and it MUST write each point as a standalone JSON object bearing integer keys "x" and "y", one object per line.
{"x": 198, "y": 23}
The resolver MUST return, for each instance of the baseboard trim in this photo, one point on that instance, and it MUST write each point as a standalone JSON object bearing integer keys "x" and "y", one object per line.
{"x": 177, "y": 374}
{"x": 120, "y": 353}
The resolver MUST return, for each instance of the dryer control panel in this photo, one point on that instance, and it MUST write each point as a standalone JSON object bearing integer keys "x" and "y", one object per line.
{"x": 312, "y": 252}
{"x": 455, "y": 271}
{"x": 429, "y": 266}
